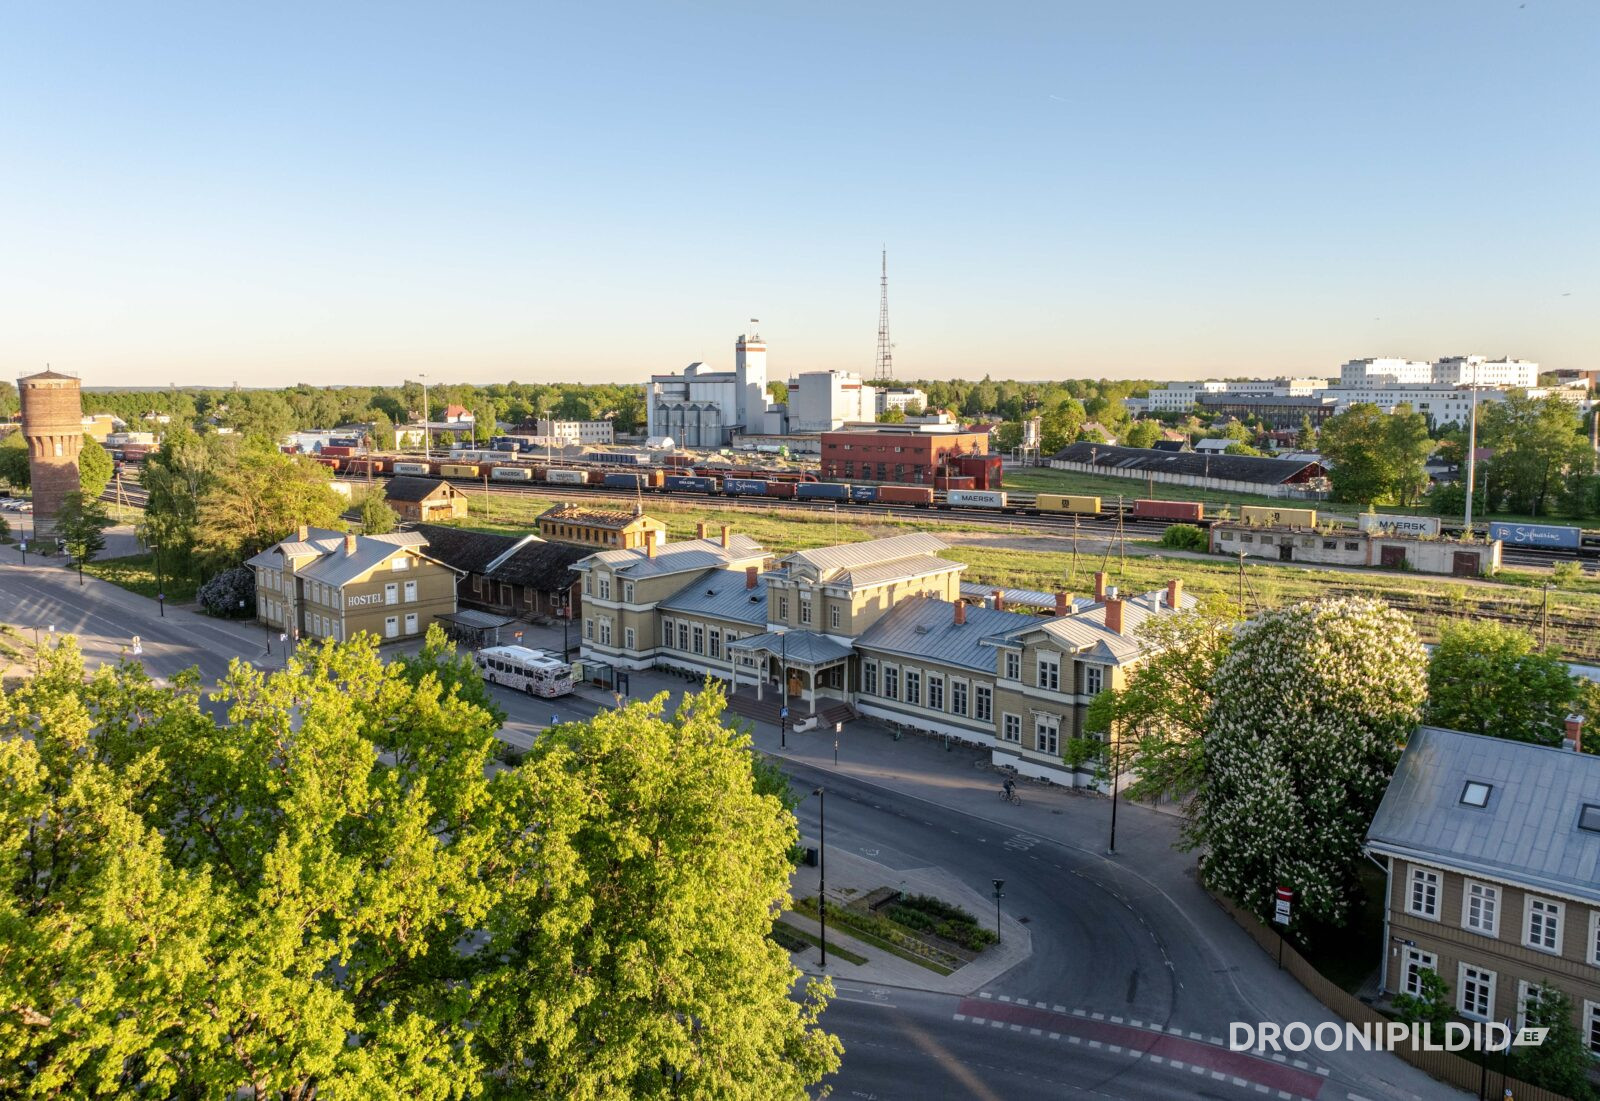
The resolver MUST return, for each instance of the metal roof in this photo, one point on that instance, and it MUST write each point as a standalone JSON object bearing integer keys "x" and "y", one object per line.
{"x": 880, "y": 573}
{"x": 1085, "y": 631}
{"x": 1528, "y": 831}
{"x": 722, "y": 595}
{"x": 852, "y": 555}
{"x": 403, "y": 487}
{"x": 1021, "y": 598}
{"x": 925, "y": 627}
{"x": 1236, "y": 468}
{"x": 691, "y": 554}
{"x": 802, "y": 647}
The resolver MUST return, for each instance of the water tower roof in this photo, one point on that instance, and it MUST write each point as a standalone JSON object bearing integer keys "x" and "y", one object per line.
{"x": 46, "y": 376}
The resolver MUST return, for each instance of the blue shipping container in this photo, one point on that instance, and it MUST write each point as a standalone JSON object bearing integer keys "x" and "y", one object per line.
{"x": 863, "y": 493}
{"x": 623, "y": 481}
{"x": 822, "y": 491}
{"x": 1536, "y": 535}
{"x": 735, "y": 487}
{"x": 691, "y": 484}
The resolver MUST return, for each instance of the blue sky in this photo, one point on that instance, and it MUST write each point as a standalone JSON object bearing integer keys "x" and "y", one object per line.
{"x": 271, "y": 193}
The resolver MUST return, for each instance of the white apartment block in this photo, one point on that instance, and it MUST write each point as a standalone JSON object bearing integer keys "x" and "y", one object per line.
{"x": 597, "y": 433}
{"x": 899, "y": 398}
{"x": 1181, "y": 397}
{"x": 1442, "y": 405}
{"x": 1483, "y": 371}
{"x": 1384, "y": 371}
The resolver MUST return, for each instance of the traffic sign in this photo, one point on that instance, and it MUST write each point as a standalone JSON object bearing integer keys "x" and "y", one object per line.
{"x": 1280, "y": 907}
{"x": 783, "y": 712}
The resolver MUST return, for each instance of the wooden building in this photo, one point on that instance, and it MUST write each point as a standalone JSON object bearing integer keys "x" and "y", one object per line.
{"x": 421, "y": 500}
{"x": 610, "y": 528}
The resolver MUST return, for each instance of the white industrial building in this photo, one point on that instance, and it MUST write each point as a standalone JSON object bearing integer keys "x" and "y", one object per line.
{"x": 898, "y": 397}
{"x": 820, "y": 401}
{"x": 1442, "y": 405}
{"x": 1483, "y": 371}
{"x": 702, "y": 408}
{"x": 1386, "y": 371}
{"x": 1182, "y": 396}
{"x": 595, "y": 433}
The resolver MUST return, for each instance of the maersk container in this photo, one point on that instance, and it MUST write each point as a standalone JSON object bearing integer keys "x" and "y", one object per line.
{"x": 566, "y": 477}
{"x": 511, "y": 474}
{"x": 822, "y": 491}
{"x": 1398, "y": 525}
{"x": 864, "y": 494}
{"x": 744, "y": 487}
{"x": 412, "y": 468}
{"x": 975, "y": 498}
{"x": 690, "y": 483}
{"x": 1536, "y": 535}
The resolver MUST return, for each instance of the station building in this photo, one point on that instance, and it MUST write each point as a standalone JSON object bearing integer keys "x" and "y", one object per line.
{"x": 880, "y": 628}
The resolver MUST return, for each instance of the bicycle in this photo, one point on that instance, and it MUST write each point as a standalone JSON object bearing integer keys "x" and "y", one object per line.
{"x": 1011, "y": 797}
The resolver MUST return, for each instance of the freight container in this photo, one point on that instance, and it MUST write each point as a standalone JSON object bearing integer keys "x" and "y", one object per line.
{"x": 360, "y": 466}
{"x": 1398, "y": 525}
{"x": 781, "y": 489}
{"x": 330, "y": 461}
{"x": 1169, "y": 510}
{"x": 1536, "y": 535}
{"x": 458, "y": 470}
{"x": 558, "y": 476}
{"x": 412, "y": 468}
{"x": 345, "y": 441}
{"x": 511, "y": 474}
{"x": 975, "y": 498}
{"x": 919, "y": 496}
{"x": 863, "y": 494}
{"x": 631, "y": 479}
{"x": 1066, "y": 502}
{"x": 744, "y": 487}
{"x": 619, "y": 458}
{"x": 1279, "y": 517}
{"x": 822, "y": 491}
{"x": 337, "y": 450}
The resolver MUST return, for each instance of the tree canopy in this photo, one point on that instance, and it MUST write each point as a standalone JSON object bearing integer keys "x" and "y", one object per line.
{"x": 1487, "y": 678}
{"x": 263, "y": 495}
{"x": 14, "y": 469}
{"x": 1536, "y": 444}
{"x": 377, "y": 518}
{"x": 94, "y": 468}
{"x": 1377, "y": 457}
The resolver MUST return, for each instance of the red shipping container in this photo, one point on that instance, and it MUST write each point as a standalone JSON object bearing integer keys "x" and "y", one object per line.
{"x": 920, "y": 496}
{"x": 1169, "y": 510}
{"x": 338, "y": 452}
{"x": 780, "y": 489}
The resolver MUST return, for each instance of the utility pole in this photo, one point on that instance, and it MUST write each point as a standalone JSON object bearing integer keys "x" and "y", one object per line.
{"x": 1472, "y": 450}
{"x": 425, "y": 433}
{"x": 1242, "y": 611}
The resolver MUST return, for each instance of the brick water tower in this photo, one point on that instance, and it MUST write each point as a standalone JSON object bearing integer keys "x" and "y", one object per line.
{"x": 52, "y": 423}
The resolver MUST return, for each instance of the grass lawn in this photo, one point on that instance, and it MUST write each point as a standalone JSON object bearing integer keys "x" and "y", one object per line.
{"x": 796, "y": 939}
{"x": 137, "y": 574}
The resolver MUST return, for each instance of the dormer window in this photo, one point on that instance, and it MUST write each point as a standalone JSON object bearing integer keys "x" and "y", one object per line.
{"x": 1589, "y": 818}
{"x": 1476, "y": 794}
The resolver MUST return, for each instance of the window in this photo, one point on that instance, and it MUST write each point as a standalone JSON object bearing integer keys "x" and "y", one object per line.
{"x": 628, "y": 638}
{"x": 1589, "y": 818}
{"x": 716, "y": 643}
{"x": 783, "y": 609}
{"x": 1011, "y": 728}
{"x": 1591, "y": 1026}
{"x": 1050, "y": 672}
{"x": 1047, "y": 734}
{"x": 1594, "y": 937}
{"x": 605, "y": 631}
{"x": 588, "y": 628}
{"x": 391, "y": 626}
{"x": 983, "y": 703}
{"x": 805, "y": 609}
{"x": 411, "y": 591}
{"x": 627, "y": 592}
{"x": 958, "y": 697}
{"x": 411, "y": 623}
{"x": 1475, "y": 794}
{"x": 913, "y": 686}
{"x": 1527, "y": 995}
{"x": 1477, "y": 992}
{"x": 666, "y": 632}
{"x": 683, "y": 636}
{"x": 699, "y": 639}
{"x": 1013, "y": 665}
{"x": 605, "y": 587}
{"x": 1544, "y": 925}
{"x": 1480, "y": 908}
{"x": 588, "y": 585}
{"x": 1352, "y": 546}
{"x": 1418, "y": 961}
{"x": 1094, "y": 679}
{"x": 833, "y": 617}
{"x": 869, "y": 678}
{"x": 1330, "y": 544}
{"x": 891, "y": 682}
{"x": 936, "y": 693}
{"x": 1424, "y": 898}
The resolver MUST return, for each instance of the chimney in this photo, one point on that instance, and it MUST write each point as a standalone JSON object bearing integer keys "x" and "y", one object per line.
{"x": 1099, "y": 585}
{"x": 349, "y": 544}
{"x": 650, "y": 538}
{"x": 1174, "y": 593}
{"x": 961, "y": 613}
{"x": 1575, "y": 732}
{"x": 727, "y": 536}
{"x": 1113, "y": 612}
{"x": 1063, "y": 603}
{"x": 998, "y": 600}
{"x": 750, "y": 574}
{"x": 700, "y": 530}
{"x": 302, "y": 533}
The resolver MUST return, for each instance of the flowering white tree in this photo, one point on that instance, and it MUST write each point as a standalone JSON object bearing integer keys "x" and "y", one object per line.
{"x": 1310, "y": 710}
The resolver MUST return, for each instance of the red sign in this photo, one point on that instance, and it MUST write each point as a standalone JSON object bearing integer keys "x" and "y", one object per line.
{"x": 1285, "y": 894}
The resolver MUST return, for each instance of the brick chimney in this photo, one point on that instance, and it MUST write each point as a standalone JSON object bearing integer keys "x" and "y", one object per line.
{"x": 1174, "y": 593}
{"x": 302, "y": 533}
{"x": 1063, "y": 603}
{"x": 727, "y": 536}
{"x": 961, "y": 613}
{"x": 997, "y": 600}
{"x": 750, "y": 575}
{"x": 1113, "y": 612}
{"x": 1575, "y": 732}
{"x": 349, "y": 544}
{"x": 1099, "y": 585}
{"x": 700, "y": 530}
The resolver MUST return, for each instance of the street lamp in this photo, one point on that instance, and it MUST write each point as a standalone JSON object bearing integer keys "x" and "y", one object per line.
{"x": 1111, "y": 764}
{"x": 783, "y": 677}
{"x": 23, "y": 547}
{"x": 822, "y": 868}
{"x": 998, "y": 895}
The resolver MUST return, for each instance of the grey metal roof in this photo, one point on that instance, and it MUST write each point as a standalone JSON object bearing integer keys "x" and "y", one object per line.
{"x": 1086, "y": 632}
{"x": 880, "y": 573}
{"x": 722, "y": 595}
{"x": 1021, "y": 598}
{"x": 925, "y": 627}
{"x": 1237, "y": 468}
{"x": 800, "y": 647}
{"x": 406, "y": 487}
{"x": 691, "y": 554}
{"x": 1527, "y": 833}
{"x": 852, "y": 555}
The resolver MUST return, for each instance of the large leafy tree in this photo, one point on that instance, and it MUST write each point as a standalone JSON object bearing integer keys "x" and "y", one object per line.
{"x": 1538, "y": 444}
{"x": 261, "y": 497}
{"x": 1377, "y": 458}
{"x": 1487, "y": 678}
{"x": 1563, "y": 1062}
{"x": 80, "y": 525}
{"x": 377, "y": 518}
{"x": 94, "y": 468}
{"x": 176, "y": 477}
{"x": 1310, "y": 708}
{"x": 14, "y": 469}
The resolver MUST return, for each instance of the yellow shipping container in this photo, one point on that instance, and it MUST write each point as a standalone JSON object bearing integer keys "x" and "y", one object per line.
{"x": 456, "y": 470}
{"x": 1059, "y": 502}
{"x": 1285, "y": 517}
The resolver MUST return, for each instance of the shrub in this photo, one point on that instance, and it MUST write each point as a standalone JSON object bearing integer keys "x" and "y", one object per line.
{"x": 1185, "y": 537}
{"x": 223, "y": 594}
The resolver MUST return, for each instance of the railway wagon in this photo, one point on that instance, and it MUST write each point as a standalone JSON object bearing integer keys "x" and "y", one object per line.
{"x": 864, "y": 495}
{"x": 918, "y": 496}
{"x": 781, "y": 489}
{"x": 619, "y": 458}
{"x": 744, "y": 487}
{"x": 1150, "y": 509}
{"x": 975, "y": 498}
{"x": 1279, "y": 517}
{"x": 689, "y": 483}
{"x": 822, "y": 491}
{"x": 1067, "y": 502}
{"x": 562, "y": 477}
{"x": 330, "y": 461}
{"x": 364, "y": 466}
{"x": 633, "y": 479}
{"x": 458, "y": 470}
{"x": 413, "y": 468}
{"x": 512, "y": 474}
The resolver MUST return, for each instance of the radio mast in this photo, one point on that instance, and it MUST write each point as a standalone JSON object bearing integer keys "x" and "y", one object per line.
{"x": 884, "y": 368}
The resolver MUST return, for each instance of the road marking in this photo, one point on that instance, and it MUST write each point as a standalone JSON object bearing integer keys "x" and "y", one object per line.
{"x": 1098, "y": 1016}
{"x": 1073, "y": 1040}
{"x": 1157, "y": 1060}
{"x": 1301, "y": 1063}
{"x": 1059, "y": 1008}
{"x": 1116, "y": 1020}
{"x": 1113, "y": 1049}
{"x": 1078, "y": 1012}
{"x": 1005, "y": 997}
{"x": 983, "y": 993}
{"x": 1135, "y": 1022}
{"x": 1324, "y": 1071}
{"x": 1055, "y": 1036}
{"x": 1041, "y": 1005}
{"x": 1263, "y": 1089}
{"x": 1016, "y": 1028}
{"x": 959, "y": 1017}
{"x": 998, "y": 1024}
{"x": 868, "y": 1001}
{"x": 1094, "y": 1043}
{"x": 1355, "y": 1097}
{"x": 1194, "y": 1036}
{"x": 1035, "y": 1032}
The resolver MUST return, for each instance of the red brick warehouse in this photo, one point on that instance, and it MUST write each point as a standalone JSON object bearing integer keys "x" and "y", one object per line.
{"x": 897, "y": 452}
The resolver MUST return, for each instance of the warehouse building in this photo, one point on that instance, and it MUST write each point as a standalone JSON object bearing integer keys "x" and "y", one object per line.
{"x": 702, "y": 408}
{"x": 422, "y": 500}
{"x": 326, "y": 584}
{"x": 1230, "y": 473}
{"x": 1349, "y": 547}
{"x": 915, "y": 453}
{"x": 880, "y": 628}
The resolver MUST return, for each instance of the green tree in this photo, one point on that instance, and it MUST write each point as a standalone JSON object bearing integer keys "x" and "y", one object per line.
{"x": 94, "y": 468}
{"x": 1377, "y": 458}
{"x": 10, "y": 404}
{"x": 1310, "y": 707}
{"x": 1237, "y": 448}
{"x": 14, "y": 469}
{"x": 1306, "y": 438}
{"x": 1008, "y": 436}
{"x": 1060, "y": 425}
{"x": 1537, "y": 444}
{"x": 778, "y": 392}
{"x": 1431, "y": 1007}
{"x": 80, "y": 525}
{"x": 377, "y": 518}
{"x": 1143, "y": 433}
{"x": 1487, "y": 678}
{"x": 1562, "y": 1063}
{"x": 893, "y": 415}
{"x": 176, "y": 477}
{"x": 263, "y": 496}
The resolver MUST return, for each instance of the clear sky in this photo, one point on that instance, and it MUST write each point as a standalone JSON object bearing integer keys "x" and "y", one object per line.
{"x": 345, "y": 192}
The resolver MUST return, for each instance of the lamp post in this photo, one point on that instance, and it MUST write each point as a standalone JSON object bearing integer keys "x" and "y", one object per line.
{"x": 424, "y": 379}
{"x": 822, "y": 869}
{"x": 998, "y": 895}
{"x": 1111, "y": 764}
{"x": 783, "y": 677}
{"x": 23, "y": 547}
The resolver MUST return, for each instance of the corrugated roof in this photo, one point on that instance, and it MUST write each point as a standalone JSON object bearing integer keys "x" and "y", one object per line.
{"x": 691, "y": 554}
{"x": 880, "y": 573}
{"x": 1528, "y": 831}
{"x": 1237, "y": 468}
{"x": 545, "y": 567}
{"x": 925, "y": 627}
{"x": 802, "y": 647}
{"x": 850, "y": 555}
{"x": 721, "y": 594}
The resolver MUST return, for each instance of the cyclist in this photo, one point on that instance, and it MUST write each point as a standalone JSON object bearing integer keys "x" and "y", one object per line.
{"x": 1010, "y": 788}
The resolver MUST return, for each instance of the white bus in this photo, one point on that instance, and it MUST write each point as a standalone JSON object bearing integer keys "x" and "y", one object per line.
{"x": 536, "y": 672}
